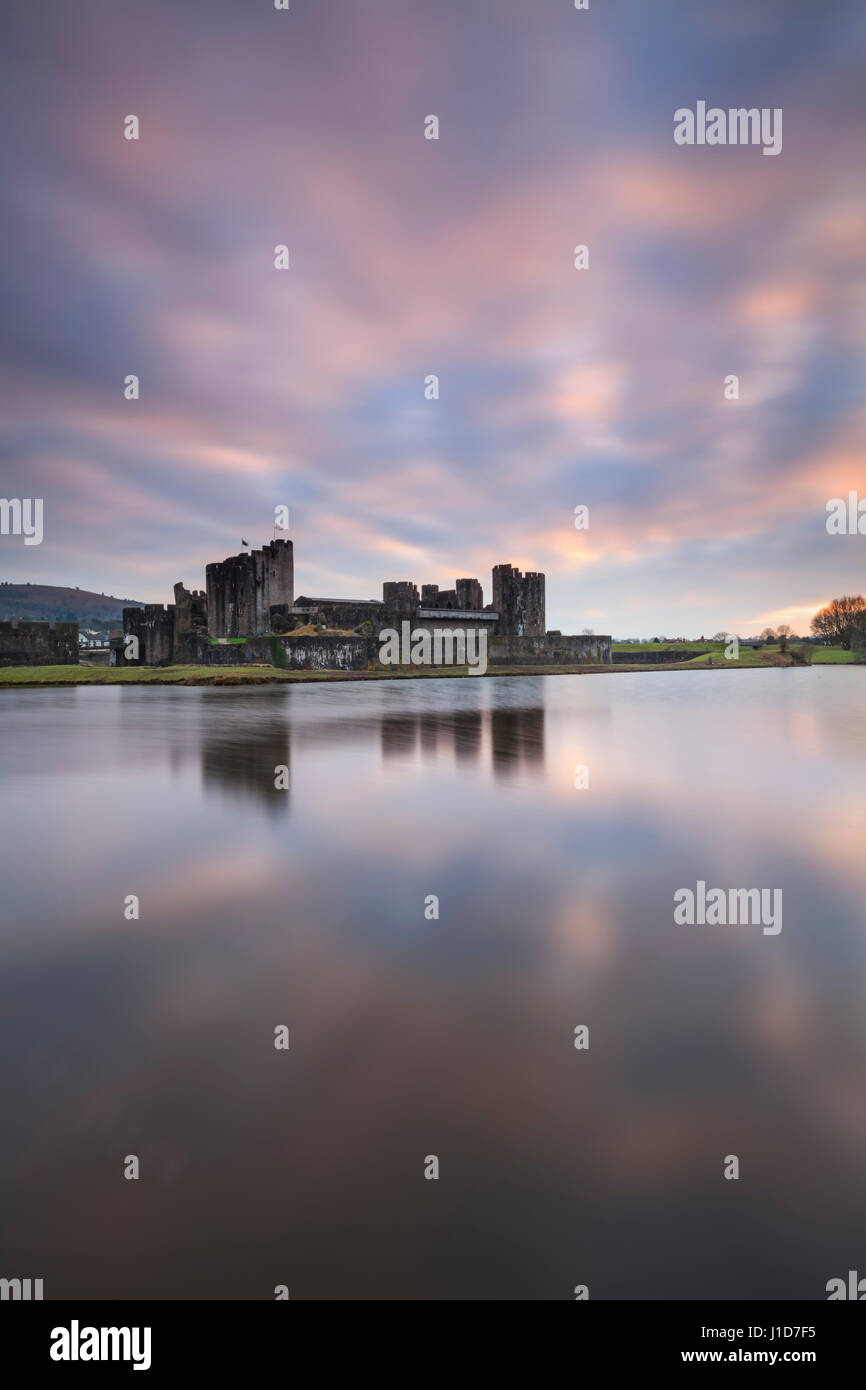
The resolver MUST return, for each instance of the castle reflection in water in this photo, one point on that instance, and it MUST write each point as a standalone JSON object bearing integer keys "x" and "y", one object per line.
{"x": 512, "y": 737}
{"x": 242, "y": 758}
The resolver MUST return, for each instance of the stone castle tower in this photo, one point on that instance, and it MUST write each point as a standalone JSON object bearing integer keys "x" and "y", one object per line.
{"x": 519, "y": 600}
{"x": 241, "y": 589}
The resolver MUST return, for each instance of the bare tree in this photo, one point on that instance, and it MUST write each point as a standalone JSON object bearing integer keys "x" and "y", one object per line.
{"x": 839, "y": 620}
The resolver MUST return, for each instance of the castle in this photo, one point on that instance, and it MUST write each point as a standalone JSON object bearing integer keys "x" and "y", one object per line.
{"x": 248, "y": 612}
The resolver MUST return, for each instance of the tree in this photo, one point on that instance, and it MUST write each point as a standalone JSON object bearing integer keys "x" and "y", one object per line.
{"x": 768, "y": 634}
{"x": 783, "y": 630}
{"x": 822, "y": 625}
{"x": 838, "y": 622}
{"x": 587, "y": 631}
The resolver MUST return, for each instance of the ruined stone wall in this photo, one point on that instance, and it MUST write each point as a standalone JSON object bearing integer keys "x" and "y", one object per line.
{"x": 346, "y": 614}
{"x": 190, "y": 610}
{"x": 452, "y": 621}
{"x": 657, "y": 658}
{"x": 466, "y": 595}
{"x": 153, "y": 626}
{"x": 223, "y": 653}
{"x": 173, "y": 635}
{"x": 550, "y": 649}
{"x": 26, "y": 643}
{"x": 189, "y": 636}
{"x": 353, "y": 652}
{"x": 322, "y": 652}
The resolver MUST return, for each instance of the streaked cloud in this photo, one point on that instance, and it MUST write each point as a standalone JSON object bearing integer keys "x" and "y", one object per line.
{"x": 409, "y": 257}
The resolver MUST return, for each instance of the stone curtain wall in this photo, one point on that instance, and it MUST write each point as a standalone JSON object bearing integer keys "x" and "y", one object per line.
{"x": 656, "y": 658}
{"x": 339, "y": 613}
{"x": 175, "y": 635}
{"x": 549, "y": 650}
{"x": 38, "y": 644}
{"x": 153, "y": 625}
{"x": 322, "y": 652}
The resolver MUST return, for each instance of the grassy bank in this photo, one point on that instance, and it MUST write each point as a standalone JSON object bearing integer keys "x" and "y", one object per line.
{"x": 244, "y": 675}
{"x": 770, "y": 655}
{"x": 263, "y": 675}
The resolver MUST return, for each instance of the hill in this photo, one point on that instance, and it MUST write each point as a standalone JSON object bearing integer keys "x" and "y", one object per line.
{"x": 52, "y": 601}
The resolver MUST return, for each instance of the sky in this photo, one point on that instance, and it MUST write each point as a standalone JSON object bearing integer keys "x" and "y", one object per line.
{"x": 558, "y": 387}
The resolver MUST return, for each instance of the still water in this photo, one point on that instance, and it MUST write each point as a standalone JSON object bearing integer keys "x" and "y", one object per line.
{"x": 412, "y": 1036}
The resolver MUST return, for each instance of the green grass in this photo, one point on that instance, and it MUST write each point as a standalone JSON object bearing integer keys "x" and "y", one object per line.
{"x": 826, "y": 656}
{"x": 746, "y": 658}
{"x": 772, "y": 656}
{"x": 764, "y": 656}
{"x": 250, "y": 674}
{"x": 257, "y": 675}
{"x": 129, "y": 675}
{"x": 664, "y": 646}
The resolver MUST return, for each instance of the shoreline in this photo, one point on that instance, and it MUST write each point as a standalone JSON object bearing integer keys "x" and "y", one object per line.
{"x": 14, "y": 677}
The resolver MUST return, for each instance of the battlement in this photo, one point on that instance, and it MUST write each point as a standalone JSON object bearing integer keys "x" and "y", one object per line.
{"x": 518, "y": 599}
{"x": 401, "y": 594}
{"x": 242, "y": 589}
{"x": 26, "y": 642}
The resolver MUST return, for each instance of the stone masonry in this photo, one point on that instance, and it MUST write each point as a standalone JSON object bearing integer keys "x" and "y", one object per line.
{"x": 25, "y": 643}
{"x": 249, "y": 613}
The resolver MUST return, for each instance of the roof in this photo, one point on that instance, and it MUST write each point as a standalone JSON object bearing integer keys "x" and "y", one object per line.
{"x": 458, "y": 614}
{"x": 304, "y": 600}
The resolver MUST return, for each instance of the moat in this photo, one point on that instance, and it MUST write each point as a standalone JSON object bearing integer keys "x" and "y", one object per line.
{"x": 450, "y": 1036}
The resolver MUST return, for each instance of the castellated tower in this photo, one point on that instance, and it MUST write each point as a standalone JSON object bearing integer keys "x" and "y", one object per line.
{"x": 241, "y": 589}
{"x": 401, "y": 595}
{"x": 280, "y": 559}
{"x": 469, "y": 595}
{"x": 519, "y": 600}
